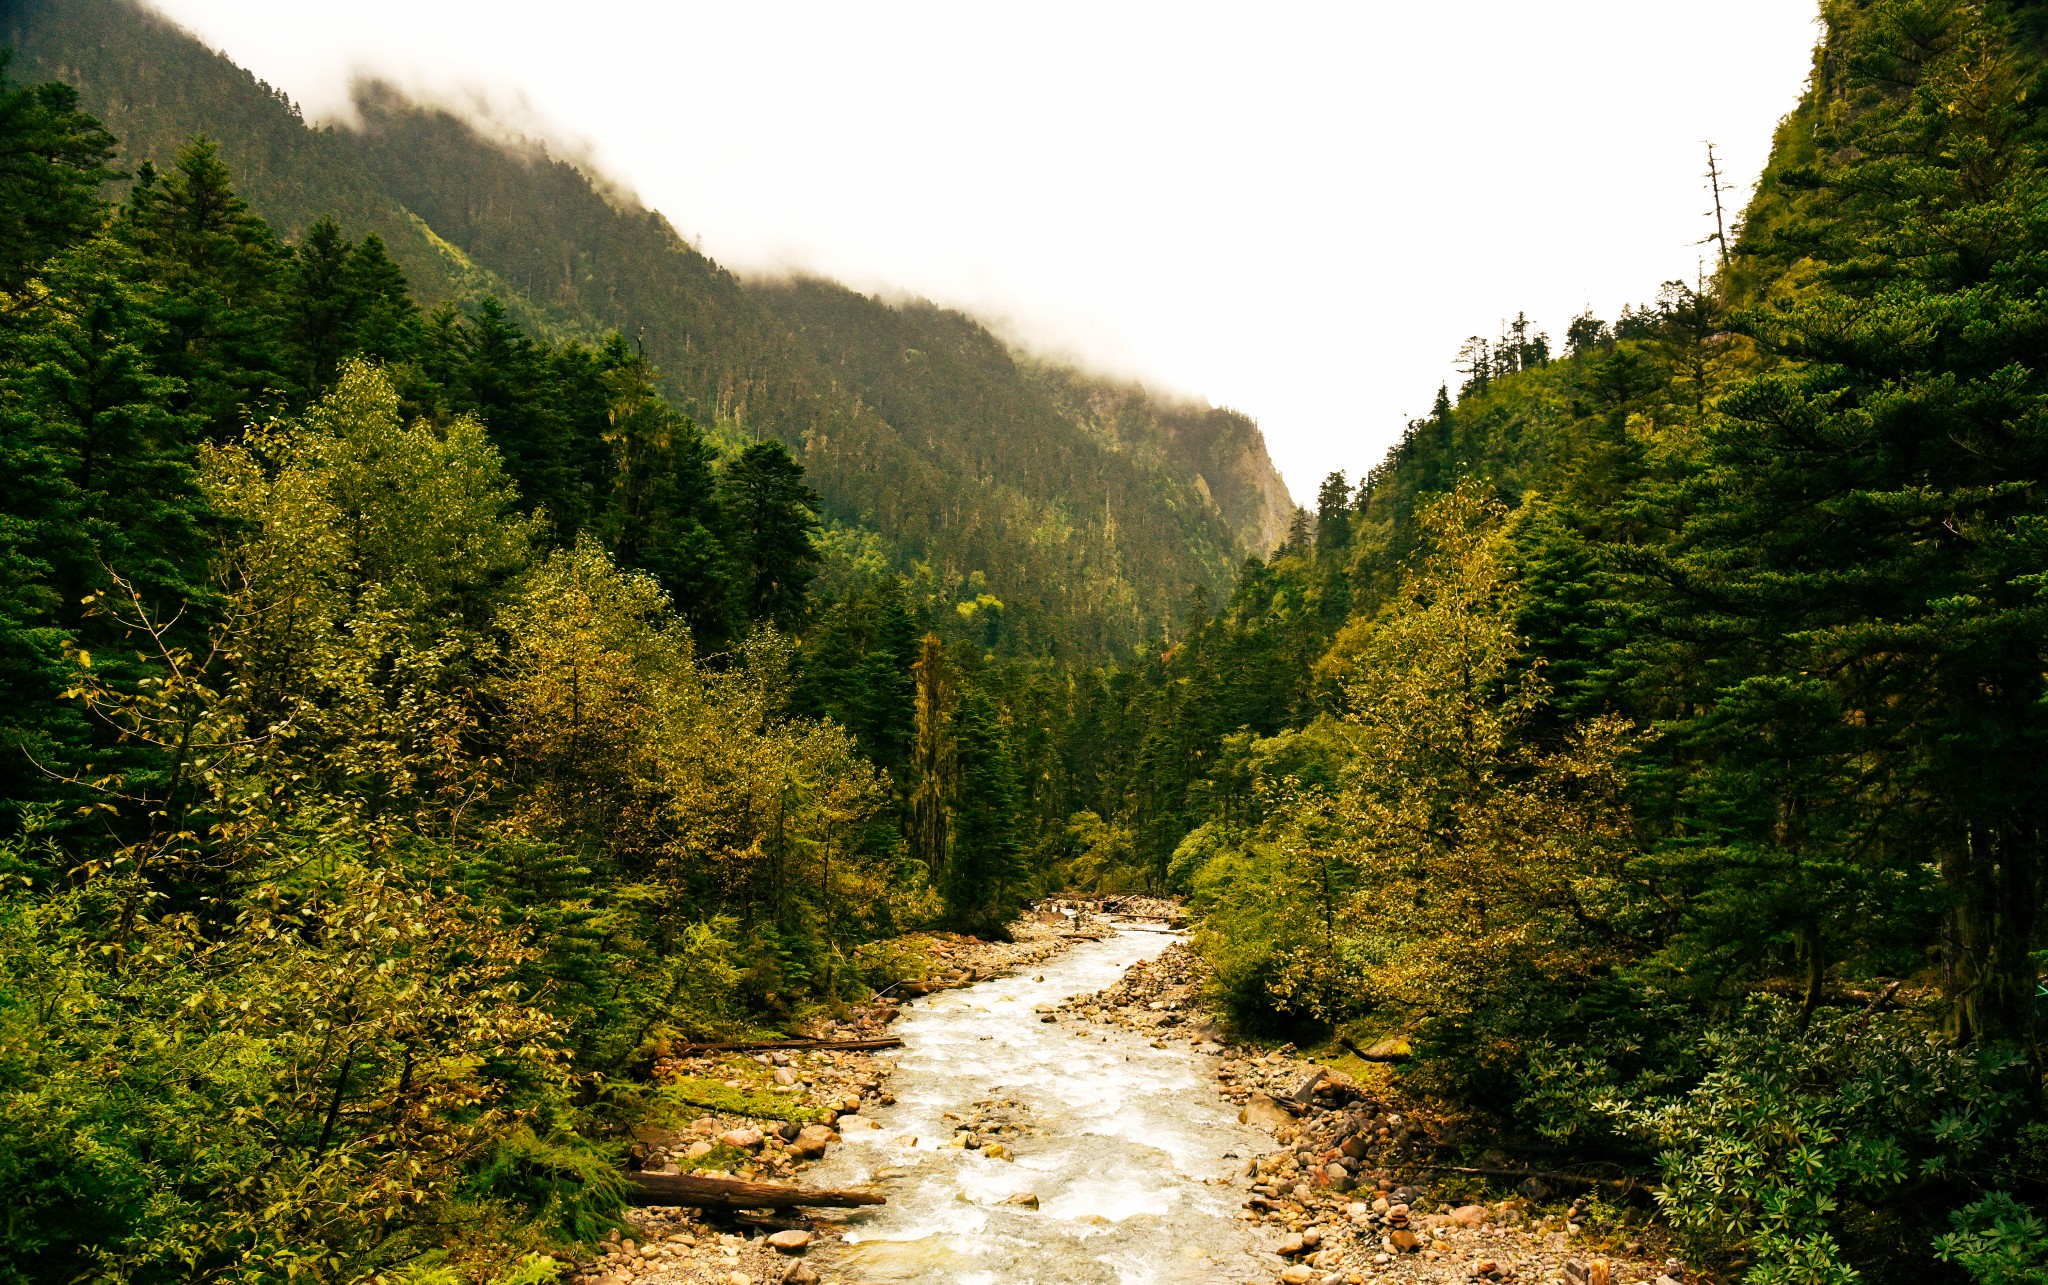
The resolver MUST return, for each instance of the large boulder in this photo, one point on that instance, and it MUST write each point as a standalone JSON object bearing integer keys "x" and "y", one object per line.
{"x": 1263, "y": 1112}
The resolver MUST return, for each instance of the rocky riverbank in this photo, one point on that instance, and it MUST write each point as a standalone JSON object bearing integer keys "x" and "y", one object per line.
{"x": 1348, "y": 1194}
{"x": 768, "y": 1115}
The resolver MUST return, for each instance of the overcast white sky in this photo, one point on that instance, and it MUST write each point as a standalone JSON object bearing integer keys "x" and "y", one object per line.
{"x": 1298, "y": 210}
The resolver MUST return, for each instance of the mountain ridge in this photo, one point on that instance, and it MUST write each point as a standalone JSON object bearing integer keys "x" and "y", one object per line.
{"x": 1128, "y": 524}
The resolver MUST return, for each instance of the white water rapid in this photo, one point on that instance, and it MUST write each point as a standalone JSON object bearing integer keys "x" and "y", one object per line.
{"x": 1132, "y": 1144}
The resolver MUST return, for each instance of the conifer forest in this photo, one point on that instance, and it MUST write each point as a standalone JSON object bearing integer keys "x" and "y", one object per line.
{"x": 461, "y": 649}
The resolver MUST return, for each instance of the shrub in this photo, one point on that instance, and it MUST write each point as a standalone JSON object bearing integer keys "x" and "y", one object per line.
{"x": 1806, "y": 1153}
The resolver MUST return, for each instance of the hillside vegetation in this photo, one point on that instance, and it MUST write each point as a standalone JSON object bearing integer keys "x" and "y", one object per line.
{"x": 1657, "y": 740}
{"x": 1097, "y": 550}
{"x": 425, "y": 704}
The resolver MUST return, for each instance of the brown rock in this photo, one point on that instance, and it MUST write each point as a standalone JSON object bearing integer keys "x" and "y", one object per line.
{"x": 790, "y": 1242}
{"x": 1469, "y": 1215}
{"x": 1405, "y": 1241}
{"x": 1297, "y": 1275}
{"x": 812, "y": 1141}
{"x": 746, "y": 1139}
{"x": 1262, "y": 1112}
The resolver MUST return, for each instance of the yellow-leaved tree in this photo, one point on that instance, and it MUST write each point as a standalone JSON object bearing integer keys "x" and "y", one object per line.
{"x": 1484, "y": 860}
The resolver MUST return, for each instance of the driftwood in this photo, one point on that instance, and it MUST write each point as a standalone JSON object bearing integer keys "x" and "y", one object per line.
{"x": 733, "y": 1193}
{"x": 1365, "y": 1055}
{"x": 750, "y": 1046}
{"x": 1306, "y": 1092}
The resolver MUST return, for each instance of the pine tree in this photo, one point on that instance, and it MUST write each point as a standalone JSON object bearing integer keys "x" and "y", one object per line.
{"x": 1853, "y": 601}
{"x": 767, "y": 516}
{"x": 931, "y": 763}
{"x": 662, "y": 494}
{"x": 503, "y": 378}
{"x": 218, "y": 268}
{"x": 53, "y": 159}
{"x": 984, "y": 878}
{"x": 340, "y": 300}
{"x": 1333, "y": 514}
{"x": 101, "y": 484}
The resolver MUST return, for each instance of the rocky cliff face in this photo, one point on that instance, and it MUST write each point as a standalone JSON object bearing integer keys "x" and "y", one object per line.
{"x": 1220, "y": 451}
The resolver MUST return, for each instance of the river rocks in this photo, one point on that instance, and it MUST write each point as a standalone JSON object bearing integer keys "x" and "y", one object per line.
{"x": 1469, "y": 1215}
{"x": 790, "y": 1242}
{"x": 1023, "y": 1200}
{"x": 1404, "y": 1241}
{"x": 801, "y": 1274}
{"x": 782, "y": 1075}
{"x": 744, "y": 1139}
{"x": 812, "y": 1140}
{"x": 1263, "y": 1112}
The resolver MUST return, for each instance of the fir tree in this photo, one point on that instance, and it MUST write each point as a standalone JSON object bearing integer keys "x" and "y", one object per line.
{"x": 767, "y": 516}
{"x": 53, "y": 159}
{"x": 218, "y": 268}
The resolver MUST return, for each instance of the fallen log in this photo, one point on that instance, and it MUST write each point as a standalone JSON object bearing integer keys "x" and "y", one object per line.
{"x": 751, "y": 1046}
{"x": 700, "y": 1192}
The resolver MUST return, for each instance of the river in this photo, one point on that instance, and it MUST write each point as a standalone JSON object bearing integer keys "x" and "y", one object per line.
{"x": 1127, "y": 1147}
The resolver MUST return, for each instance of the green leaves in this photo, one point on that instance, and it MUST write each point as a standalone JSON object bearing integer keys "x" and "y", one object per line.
{"x": 1998, "y": 1241}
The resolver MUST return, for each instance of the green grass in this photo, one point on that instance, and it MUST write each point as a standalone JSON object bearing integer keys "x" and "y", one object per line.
{"x": 713, "y": 1096}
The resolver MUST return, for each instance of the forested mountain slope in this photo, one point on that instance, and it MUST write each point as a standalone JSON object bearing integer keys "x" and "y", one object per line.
{"x": 1656, "y": 742}
{"x": 1093, "y": 553}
